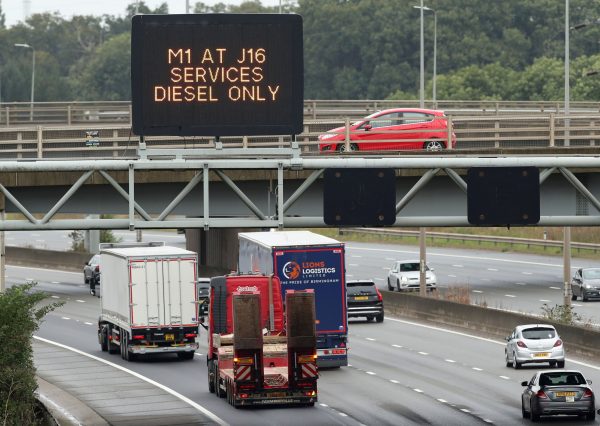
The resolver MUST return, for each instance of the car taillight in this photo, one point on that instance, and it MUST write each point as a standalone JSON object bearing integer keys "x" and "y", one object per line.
{"x": 190, "y": 335}
{"x": 542, "y": 394}
{"x": 138, "y": 337}
{"x": 588, "y": 393}
{"x": 521, "y": 344}
{"x": 379, "y": 294}
{"x": 97, "y": 268}
{"x": 558, "y": 343}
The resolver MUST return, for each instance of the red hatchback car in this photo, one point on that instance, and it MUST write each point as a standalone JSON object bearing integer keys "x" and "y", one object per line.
{"x": 392, "y": 129}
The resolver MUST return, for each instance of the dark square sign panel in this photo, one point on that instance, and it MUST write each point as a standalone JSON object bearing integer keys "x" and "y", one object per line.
{"x": 217, "y": 74}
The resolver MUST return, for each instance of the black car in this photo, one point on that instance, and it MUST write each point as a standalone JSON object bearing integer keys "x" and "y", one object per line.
{"x": 364, "y": 300}
{"x": 586, "y": 284}
{"x": 91, "y": 273}
{"x": 554, "y": 392}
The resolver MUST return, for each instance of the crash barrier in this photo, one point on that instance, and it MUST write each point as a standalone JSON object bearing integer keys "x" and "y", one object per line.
{"x": 582, "y": 341}
{"x": 50, "y": 259}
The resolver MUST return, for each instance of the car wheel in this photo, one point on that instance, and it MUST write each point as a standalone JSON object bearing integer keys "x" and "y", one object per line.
{"x": 573, "y": 295}
{"x": 515, "y": 363}
{"x": 584, "y": 297}
{"x": 523, "y": 412}
{"x": 390, "y": 288}
{"x": 379, "y": 318}
{"x": 508, "y": 362}
{"x": 342, "y": 147}
{"x": 591, "y": 415}
{"x": 434, "y": 145}
{"x": 560, "y": 364}
{"x": 553, "y": 364}
{"x": 398, "y": 285}
{"x": 534, "y": 416}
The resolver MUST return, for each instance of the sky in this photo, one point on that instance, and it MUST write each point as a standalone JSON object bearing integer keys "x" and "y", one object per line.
{"x": 14, "y": 10}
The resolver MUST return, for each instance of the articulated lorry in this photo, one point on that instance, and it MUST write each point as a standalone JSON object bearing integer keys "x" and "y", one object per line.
{"x": 257, "y": 354}
{"x": 149, "y": 302}
{"x": 305, "y": 260}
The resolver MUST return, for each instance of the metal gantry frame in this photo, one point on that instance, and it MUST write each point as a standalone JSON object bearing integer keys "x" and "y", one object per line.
{"x": 139, "y": 218}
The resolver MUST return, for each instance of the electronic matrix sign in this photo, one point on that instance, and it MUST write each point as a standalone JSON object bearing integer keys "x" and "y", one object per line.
{"x": 217, "y": 74}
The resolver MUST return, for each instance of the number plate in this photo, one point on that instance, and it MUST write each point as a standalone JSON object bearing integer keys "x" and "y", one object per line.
{"x": 361, "y": 297}
{"x": 570, "y": 399}
{"x": 567, "y": 394}
{"x": 276, "y": 395}
{"x": 541, "y": 355}
{"x": 169, "y": 337}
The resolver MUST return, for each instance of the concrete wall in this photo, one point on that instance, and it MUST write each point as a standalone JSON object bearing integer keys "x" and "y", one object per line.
{"x": 485, "y": 321}
{"x": 65, "y": 260}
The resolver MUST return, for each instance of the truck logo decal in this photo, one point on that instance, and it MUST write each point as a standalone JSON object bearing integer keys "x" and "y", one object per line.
{"x": 291, "y": 270}
{"x": 242, "y": 288}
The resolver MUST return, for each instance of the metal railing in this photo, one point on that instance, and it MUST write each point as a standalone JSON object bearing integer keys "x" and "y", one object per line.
{"x": 96, "y": 140}
{"x": 119, "y": 112}
{"x": 511, "y": 241}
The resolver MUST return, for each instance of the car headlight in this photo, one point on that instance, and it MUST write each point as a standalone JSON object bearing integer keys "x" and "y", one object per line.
{"x": 326, "y": 136}
{"x": 403, "y": 279}
{"x": 588, "y": 286}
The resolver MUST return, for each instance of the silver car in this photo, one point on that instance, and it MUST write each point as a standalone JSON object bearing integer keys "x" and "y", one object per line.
{"x": 586, "y": 284}
{"x": 404, "y": 275}
{"x": 534, "y": 343}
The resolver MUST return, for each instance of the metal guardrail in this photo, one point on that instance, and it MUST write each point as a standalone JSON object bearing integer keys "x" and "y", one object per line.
{"x": 119, "y": 112}
{"x": 476, "y": 238}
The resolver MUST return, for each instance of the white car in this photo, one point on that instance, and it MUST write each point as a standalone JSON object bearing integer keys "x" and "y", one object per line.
{"x": 404, "y": 275}
{"x": 534, "y": 343}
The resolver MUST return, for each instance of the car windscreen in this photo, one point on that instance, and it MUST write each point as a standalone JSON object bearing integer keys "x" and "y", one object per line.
{"x": 562, "y": 379}
{"x": 537, "y": 333}
{"x": 591, "y": 274}
{"x": 360, "y": 288}
{"x": 409, "y": 267}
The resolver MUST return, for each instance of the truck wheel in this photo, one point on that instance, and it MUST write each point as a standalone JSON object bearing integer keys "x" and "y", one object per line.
{"x": 185, "y": 355}
{"x": 111, "y": 346}
{"x": 220, "y": 393}
{"x": 103, "y": 340}
{"x": 211, "y": 380}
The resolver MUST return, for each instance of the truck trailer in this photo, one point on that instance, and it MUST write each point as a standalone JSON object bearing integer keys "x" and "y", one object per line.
{"x": 257, "y": 353}
{"x": 149, "y": 302}
{"x": 305, "y": 260}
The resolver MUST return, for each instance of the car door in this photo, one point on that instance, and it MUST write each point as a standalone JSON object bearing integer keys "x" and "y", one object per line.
{"x": 393, "y": 275}
{"x": 577, "y": 283}
{"x": 414, "y": 129}
{"x": 377, "y": 133}
{"x": 527, "y": 394}
{"x": 510, "y": 343}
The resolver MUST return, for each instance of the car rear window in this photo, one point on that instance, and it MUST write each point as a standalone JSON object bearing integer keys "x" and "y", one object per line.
{"x": 562, "y": 379}
{"x": 538, "y": 333}
{"x": 360, "y": 288}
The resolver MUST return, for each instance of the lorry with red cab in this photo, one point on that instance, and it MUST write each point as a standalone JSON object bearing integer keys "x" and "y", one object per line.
{"x": 258, "y": 352}
{"x": 305, "y": 260}
{"x": 149, "y": 302}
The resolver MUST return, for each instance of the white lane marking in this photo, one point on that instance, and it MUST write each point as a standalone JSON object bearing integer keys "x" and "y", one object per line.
{"x": 544, "y": 300}
{"x": 343, "y": 414}
{"x": 465, "y": 410}
{"x": 371, "y": 373}
{"x": 198, "y": 407}
{"x": 323, "y": 405}
{"x": 370, "y": 339}
{"x": 55, "y": 282}
{"x": 418, "y": 390}
{"x": 35, "y": 235}
{"x": 349, "y": 276}
{"x": 504, "y": 377}
{"x": 477, "y": 291}
{"x": 386, "y": 269}
{"x": 452, "y": 276}
{"x": 458, "y": 266}
{"x": 66, "y": 318}
{"x": 483, "y": 339}
{"x": 353, "y": 264}
{"x": 390, "y": 258}
{"x": 521, "y": 283}
{"x": 485, "y": 279}
{"x": 555, "y": 288}
{"x": 397, "y": 346}
{"x": 55, "y": 297}
{"x": 80, "y": 301}
{"x": 449, "y": 360}
{"x": 443, "y": 401}
{"x": 527, "y": 273}
{"x": 576, "y": 304}
{"x": 423, "y": 353}
{"x": 394, "y": 381}
{"x": 488, "y": 421}
{"x": 88, "y": 323}
{"x": 379, "y": 279}
{"x": 477, "y": 369}
{"x": 510, "y": 295}
{"x": 492, "y": 269}
{"x": 355, "y": 255}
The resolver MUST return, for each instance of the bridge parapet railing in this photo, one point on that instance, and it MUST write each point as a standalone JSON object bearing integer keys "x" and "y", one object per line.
{"x": 472, "y": 133}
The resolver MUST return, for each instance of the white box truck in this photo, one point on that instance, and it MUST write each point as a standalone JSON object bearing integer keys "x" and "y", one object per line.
{"x": 149, "y": 302}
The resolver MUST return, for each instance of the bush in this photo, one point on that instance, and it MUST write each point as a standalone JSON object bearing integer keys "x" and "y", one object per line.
{"x": 20, "y": 316}
{"x": 562, "y": 314}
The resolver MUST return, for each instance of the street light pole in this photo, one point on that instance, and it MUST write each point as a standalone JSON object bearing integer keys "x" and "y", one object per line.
{"x": 567, "y": 230}
{"x": 26, "y": 46}
{"x": 434, "y": 47}
{"x": 567, "y": 72}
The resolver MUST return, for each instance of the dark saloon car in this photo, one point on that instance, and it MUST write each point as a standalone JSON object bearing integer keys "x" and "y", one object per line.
{"x": 552, "y": 392}
{"x": 364, "y": 300}
{"x": 91, "y": 273}
{"x": 586, "y": 284}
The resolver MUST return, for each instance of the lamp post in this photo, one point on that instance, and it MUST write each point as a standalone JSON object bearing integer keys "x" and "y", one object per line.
{"x": 434, "y": 48}
{"x": 26, "y": 46}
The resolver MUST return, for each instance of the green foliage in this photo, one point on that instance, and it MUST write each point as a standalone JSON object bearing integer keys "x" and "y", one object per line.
{"x": 21, "y": 312}
{"x": 563, "y": 314}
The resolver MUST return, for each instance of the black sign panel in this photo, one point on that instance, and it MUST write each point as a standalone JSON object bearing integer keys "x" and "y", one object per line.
{"x": 500, "y": 196}
{"x": 217, "y": 74}
{"x": 359, "y": 197}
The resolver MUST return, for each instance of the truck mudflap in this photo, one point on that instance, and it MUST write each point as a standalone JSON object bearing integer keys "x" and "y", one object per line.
{"x": 151, "y": 349}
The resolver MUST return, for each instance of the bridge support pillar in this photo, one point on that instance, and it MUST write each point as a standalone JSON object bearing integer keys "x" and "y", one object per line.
{"x": 217, "y": 249}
